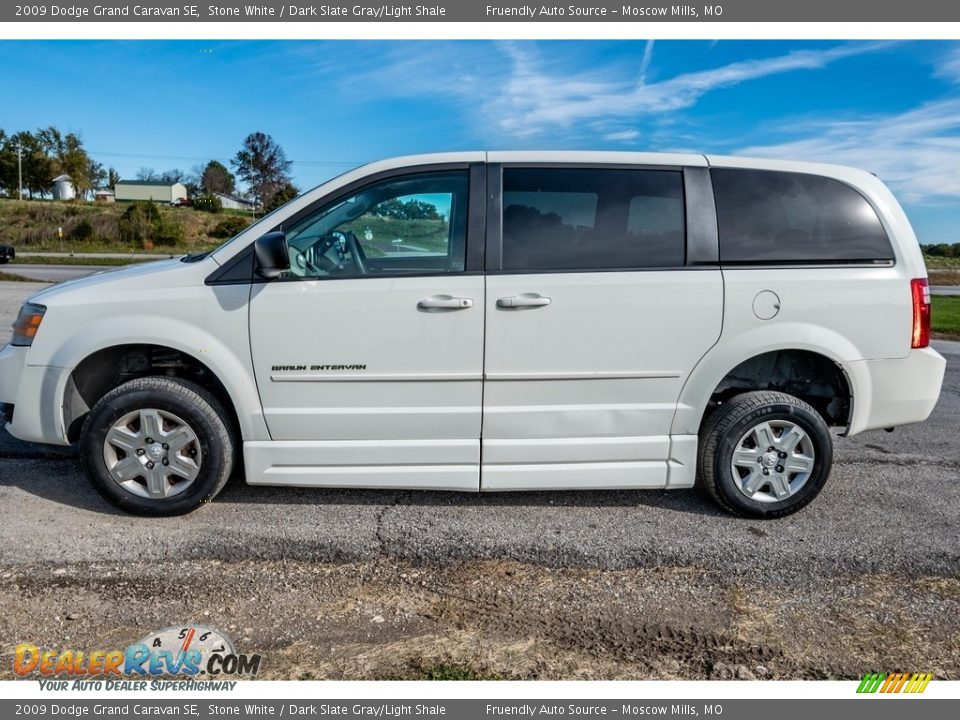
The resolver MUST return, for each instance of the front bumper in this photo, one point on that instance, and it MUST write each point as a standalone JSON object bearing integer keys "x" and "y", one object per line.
{"x": 37, "y": 393}
{"x": 12, "y": 362}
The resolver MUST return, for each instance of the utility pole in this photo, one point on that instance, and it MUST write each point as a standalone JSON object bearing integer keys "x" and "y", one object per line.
{"x": 20, "y": 169}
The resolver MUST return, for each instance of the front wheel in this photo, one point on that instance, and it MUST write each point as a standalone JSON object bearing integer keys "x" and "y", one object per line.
{"x": 764, "y": 454}
{"x": 157, "y": 446}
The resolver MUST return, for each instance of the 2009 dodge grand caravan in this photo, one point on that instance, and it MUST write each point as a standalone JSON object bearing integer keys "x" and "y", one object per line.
{"x": 498, "y": 321}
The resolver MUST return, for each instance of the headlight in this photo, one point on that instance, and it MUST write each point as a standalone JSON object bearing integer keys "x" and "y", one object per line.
{"x": 27, "y": 323}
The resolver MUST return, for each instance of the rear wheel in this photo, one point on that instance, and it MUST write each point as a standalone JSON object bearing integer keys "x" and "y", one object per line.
{"x": 765, "y": 454}
{"x": 157, "y": 446}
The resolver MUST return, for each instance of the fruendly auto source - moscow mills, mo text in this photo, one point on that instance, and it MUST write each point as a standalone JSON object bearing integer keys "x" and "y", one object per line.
{"x": 294, "y": 11}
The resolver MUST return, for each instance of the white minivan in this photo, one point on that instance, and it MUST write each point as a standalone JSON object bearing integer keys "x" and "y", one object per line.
{"x": 489, "y": 321}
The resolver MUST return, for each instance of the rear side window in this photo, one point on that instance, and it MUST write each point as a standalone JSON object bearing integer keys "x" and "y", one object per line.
{"x": 780, "y": 217}
{"x": 590, "y": 219}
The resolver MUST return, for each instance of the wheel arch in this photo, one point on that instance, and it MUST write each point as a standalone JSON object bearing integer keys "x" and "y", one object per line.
{"x": 795, "y": 341}
{"x": 94, "y": 370}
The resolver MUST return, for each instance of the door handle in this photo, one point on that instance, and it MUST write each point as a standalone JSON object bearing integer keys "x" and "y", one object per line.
{"x": 445, "y": 302}
{"x": 527, "y": 300}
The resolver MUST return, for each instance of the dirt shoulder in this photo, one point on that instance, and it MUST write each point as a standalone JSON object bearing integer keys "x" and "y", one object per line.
{"x": 388, "y": 619}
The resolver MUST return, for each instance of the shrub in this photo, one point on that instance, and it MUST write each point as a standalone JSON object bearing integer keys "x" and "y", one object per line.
{"x": 167, "y": 233}
{"x": 143, "y": 223}
{"x": 229, "y": 226}
{"x": 207, "y": 203}
{"x": 83, "y": 230}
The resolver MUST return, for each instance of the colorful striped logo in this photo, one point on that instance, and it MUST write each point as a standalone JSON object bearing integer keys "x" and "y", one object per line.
{"x": 894, "y": 682}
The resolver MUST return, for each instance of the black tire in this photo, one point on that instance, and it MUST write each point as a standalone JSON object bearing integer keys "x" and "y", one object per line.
{"x": 196, "y": 407}
{"x": 728, "y": 424}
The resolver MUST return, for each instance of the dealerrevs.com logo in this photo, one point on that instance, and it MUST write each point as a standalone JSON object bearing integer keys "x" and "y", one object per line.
{"x": 174, "y": 651}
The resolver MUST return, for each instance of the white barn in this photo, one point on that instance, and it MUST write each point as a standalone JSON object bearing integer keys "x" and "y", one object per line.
{"x": 154, "y": 190}
{"x": 232, "y": 202}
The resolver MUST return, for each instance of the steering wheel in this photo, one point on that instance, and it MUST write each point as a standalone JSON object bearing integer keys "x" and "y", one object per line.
{"x": 316, "y": 259}
{"x": 359, "y": 256}
{"x": 319, "y": 264}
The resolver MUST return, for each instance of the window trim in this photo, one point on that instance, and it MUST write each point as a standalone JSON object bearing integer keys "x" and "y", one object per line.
{"x": 494, "y": 253}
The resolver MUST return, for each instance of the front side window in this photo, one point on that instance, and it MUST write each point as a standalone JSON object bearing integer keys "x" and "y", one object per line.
{"x": 592, "y": 219}
{"x": 414, "y": 224}
{"x": 767, "y": 216}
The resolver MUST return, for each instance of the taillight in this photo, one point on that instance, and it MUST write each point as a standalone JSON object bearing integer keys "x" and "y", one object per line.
{"x": 920, "y": 292}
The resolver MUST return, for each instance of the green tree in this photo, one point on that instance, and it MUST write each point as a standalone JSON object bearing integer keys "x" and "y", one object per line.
{"x": 263, "y": 166}
{"x": 68, "y": 156}
{"x": 39, "y": 168}
{"x": 208, "y": 203}
{"x": 113, "y": 177}
{"x": 8, "y": 165}
{"x": 409, "y": 210}
{"x": 282, "y": 196}
{"x": 216, "y": 178}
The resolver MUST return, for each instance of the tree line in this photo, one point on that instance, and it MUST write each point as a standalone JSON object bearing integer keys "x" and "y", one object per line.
{"x": 942, "y": 250}
{"x": 261, "y": 165}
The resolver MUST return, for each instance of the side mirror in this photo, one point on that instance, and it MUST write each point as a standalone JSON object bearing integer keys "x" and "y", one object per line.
{"x": 272, "y": 255}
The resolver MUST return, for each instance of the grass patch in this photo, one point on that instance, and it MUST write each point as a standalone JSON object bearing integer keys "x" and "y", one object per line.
{"x": 945, "y": 320}
{"x": 82, "y": 259}
{"x": 31, "y": 225}
{"x": 454, "y": 672}
{"x": 935, "y": 261}
{"x": 13, "y": 277}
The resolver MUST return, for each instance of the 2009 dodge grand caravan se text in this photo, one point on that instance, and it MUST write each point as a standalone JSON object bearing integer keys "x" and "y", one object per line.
{"x": 498, "y": 321}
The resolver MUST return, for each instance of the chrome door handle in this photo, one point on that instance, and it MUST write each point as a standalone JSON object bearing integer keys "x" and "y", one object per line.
{"x": 444, "y": 302}
{"x": 527, "y": 300}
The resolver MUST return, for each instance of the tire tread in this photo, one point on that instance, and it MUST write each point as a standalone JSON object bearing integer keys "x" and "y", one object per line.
{"x": 717, "y": 427}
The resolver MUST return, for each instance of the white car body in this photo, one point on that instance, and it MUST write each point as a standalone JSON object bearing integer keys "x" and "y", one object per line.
{"x": 604, "y": 388}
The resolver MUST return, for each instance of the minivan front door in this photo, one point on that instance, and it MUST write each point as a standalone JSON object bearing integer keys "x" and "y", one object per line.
{"x": 594, "y": 321}
{"x": 368, "y": 354}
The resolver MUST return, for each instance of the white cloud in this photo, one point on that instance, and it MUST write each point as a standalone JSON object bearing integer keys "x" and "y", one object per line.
{"x": 949, "y": 66}
{"x": 917, "y": 152}
{"x": 519, "y": 93}
{"x": 536, "y": 100}
{"x": 623, "y": 135}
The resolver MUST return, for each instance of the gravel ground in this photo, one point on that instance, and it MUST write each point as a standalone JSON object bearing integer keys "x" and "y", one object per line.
{"x": 364, "y": 584}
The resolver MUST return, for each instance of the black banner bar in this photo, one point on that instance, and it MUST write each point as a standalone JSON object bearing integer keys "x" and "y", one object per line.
{"x": 208, "y": 708}
{"x": 481, "y": 11}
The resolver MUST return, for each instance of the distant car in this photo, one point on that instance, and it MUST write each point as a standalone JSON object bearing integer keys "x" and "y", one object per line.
{"x": 7, "y": 253}
{"x": 182, "y": 202}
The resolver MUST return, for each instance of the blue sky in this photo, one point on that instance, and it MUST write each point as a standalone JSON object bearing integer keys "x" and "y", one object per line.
{"x": 889, "y": 107}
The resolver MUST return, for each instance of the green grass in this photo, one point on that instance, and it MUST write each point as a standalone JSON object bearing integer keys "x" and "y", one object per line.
{"x": 945, "y": 320}
{"x": 81, "y": 259}
{"x": 13, "y": 277}
{"x": 31, "y": 226}
{"x": 946, "y": 263}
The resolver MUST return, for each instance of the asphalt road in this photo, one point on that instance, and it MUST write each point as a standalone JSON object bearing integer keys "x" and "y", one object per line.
{"x": 891, "y": 505}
